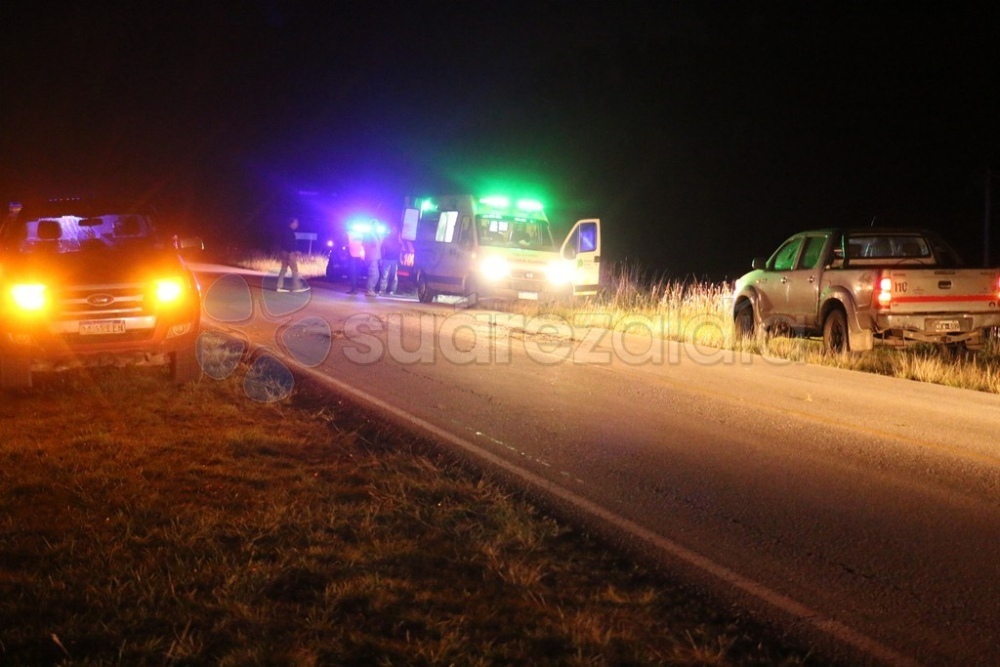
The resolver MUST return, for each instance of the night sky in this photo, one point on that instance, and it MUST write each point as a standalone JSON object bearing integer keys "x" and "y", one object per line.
{"x": 702, "y": 133}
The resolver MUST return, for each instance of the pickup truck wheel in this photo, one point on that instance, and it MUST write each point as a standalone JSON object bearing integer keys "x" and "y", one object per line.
{"x": 184, "y": 366}
{"x": 743, "y": 320}
{"x": 424, "y": 293}
{"x": 835, "y": 335}
{"x": 15, "y": 373}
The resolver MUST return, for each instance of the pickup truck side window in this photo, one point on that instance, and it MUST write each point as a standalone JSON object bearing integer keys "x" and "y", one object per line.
{"x": 784, "y": 259}
{"x": 812, "y": 252}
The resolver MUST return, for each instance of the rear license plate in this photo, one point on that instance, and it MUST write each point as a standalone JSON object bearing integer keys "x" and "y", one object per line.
{"x": 533, "y": 296}
{"x": 101, "y": 327}
{"x": 947, "y": 325}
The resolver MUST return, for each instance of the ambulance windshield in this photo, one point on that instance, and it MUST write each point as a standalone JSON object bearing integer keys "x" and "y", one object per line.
{"x": 515, "y": 233}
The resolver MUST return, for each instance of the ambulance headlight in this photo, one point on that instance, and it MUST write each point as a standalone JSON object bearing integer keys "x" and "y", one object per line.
{"x": 560, "y": 272}
{"x": 494, "y": 268}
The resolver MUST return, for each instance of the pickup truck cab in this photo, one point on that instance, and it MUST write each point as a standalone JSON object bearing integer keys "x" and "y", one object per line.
{"x": 83, "y": 283}
{"x": 856, "y": 286}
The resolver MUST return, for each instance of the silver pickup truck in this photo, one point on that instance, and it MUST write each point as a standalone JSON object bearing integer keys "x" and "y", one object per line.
{"x": 856, "y": 286}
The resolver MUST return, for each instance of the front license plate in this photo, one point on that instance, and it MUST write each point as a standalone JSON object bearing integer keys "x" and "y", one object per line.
{"x": 533, "y": 296}
{"x": 947, "y": 325}
{"x": 100, "y": 327}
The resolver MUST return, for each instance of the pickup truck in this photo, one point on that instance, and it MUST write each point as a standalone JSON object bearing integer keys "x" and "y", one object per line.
{"x": 856, "y": 286}
{"x": 84, "y": 283}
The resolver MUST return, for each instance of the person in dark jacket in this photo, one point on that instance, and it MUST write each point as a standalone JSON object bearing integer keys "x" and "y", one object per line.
{"x": 288, "y": 250}
{"x": 391, "y": 247}
{"x": 372, "y": 243}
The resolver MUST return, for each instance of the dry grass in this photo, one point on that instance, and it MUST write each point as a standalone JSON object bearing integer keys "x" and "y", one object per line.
{"x": 700, "y": 312}
{"x": 201, "y": 527}
{"x": 310, "y": 266}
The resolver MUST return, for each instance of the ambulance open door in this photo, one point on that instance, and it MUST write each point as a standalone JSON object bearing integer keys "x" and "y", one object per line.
{"x": 583, "y": 247}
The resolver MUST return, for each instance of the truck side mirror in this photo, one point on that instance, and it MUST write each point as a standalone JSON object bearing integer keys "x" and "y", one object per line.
{"x": 758, "y": 263}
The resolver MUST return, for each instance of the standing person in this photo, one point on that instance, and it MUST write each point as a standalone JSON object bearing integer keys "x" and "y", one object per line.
{"x": 372, "y": 243}
{"x": 391, "y": 247}
{"x": 356, "y": 250}
{"x": 290, "y": 258}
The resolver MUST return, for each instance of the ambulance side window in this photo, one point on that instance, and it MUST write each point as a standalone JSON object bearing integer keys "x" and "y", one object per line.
{"x": 446, "y": 226}
{"x": 466, "y": 237}
{"x": 427, "y": 227}
{"x": 588, "y": 237}
{"x": 572, "y": 244}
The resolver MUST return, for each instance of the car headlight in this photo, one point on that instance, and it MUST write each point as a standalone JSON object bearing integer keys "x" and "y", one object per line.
{"x": 560, "y": 272}
{"x": 169, "y": 290}
{"x": 29, "y": 297}
{"x": 494, "y": 268}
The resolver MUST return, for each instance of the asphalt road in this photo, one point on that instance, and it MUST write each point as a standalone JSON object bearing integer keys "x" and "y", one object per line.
{"x": 858, "y": 511}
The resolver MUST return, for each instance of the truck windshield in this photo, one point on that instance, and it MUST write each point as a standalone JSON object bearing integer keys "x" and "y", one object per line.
{"x": 69, "y": 233}
{"x": 516, "y": 233}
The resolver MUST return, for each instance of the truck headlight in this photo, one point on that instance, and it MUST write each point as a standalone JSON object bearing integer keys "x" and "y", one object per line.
{"x": 560, "y": 272}
{"x": 494, "y": 268}
{"x": 169, "y": 290}
{"x": 29, "y": 297}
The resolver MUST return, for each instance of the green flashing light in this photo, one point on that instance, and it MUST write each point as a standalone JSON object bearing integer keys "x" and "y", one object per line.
{"x": 427, "y": 205}
{"x": 497, "y": 201}
{"x": 529, "y": 204}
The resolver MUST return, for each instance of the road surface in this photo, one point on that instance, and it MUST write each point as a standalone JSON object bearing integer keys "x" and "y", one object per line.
{"x": 859, "y": 511}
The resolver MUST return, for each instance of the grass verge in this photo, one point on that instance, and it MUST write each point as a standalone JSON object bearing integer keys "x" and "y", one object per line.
{"x": 697, "y": 311}
{"x": 196, "y": 526}
{"x": 700, "y": 312}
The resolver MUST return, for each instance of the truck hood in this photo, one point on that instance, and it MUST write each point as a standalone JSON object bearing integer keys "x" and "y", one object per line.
{"x": 92, "y": 267}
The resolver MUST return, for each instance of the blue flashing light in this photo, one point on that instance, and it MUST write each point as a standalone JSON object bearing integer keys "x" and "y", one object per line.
{"x": 362, "y": 227}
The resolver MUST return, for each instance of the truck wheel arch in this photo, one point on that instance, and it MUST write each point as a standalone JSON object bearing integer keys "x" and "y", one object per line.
{"x": 859, "y": 338}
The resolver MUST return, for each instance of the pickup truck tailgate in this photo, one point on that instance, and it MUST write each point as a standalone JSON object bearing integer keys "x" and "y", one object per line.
{"x": 939, "y": 291}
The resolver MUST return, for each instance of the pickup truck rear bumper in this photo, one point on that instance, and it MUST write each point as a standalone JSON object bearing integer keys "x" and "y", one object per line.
{"x": 935, "y": 328}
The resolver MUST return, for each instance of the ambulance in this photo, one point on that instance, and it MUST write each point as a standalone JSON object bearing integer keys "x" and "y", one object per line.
{"x": 496, "y": 247}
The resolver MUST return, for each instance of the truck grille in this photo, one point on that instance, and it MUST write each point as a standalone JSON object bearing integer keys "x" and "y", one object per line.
{"x": 101, "y": 302}
{"x": 532, "y": 280}
{"x": 527, "y": 285}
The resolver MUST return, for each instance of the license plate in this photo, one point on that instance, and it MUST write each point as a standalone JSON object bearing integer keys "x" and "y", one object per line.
{"x": 533, "y": 296}
{"x": 947, "y": 325}
{"x": 101, "y": 327}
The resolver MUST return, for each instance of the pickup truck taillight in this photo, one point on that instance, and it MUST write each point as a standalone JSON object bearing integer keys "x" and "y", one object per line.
{"x": 883, "y": 292}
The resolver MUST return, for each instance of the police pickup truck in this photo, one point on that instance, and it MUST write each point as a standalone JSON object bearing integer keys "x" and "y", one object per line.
{"x": 856, "y": 286}
{"x": 88, "y": 282}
